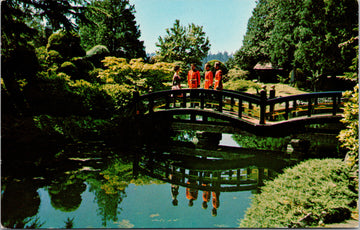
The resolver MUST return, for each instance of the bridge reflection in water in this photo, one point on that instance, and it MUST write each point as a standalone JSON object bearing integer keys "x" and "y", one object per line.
{"x": 207, "y": 175}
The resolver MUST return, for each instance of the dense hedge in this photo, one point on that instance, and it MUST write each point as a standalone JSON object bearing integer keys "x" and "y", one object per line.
{"x": 313, "y": 193}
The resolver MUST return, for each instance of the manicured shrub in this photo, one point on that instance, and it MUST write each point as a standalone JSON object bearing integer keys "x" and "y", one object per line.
{"x": 66, "y": 43}
{"x": 83, "y": 66}
{"x": 309, "y": 194}
{"x": 96, "y": 54}
{"x": 53, "y": 58}
{"x": 241, "y": 85}
{"x": 68, "y": 68}
{"x": 237, "y": 73}
{"x": 222, "y": 67}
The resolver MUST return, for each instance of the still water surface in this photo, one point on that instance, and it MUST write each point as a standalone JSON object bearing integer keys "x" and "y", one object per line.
{"x": 83, "y": 190}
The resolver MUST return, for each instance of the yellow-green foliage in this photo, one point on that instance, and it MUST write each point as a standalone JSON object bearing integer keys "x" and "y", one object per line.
{"x": 53, "y": 57}
{"x": 316, "y": 189}
{"x": 69, "y": 68}
{"x": 240, "y": 85}
{"x": 136, "y": 73}
{"x": 350, "y": 136}
{"x": 237, "y": 73}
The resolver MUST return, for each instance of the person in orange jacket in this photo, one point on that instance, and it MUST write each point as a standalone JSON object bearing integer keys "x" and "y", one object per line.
{"x": 208, "y": 77}
{"x": 191, "y": 193}
{"x": 193, "y": 77}
{"x": 215, "y": 202}
{"x": 206, "y": 197}
{"x": 218, "y": 77}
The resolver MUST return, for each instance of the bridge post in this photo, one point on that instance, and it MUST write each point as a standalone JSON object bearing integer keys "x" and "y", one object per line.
{"x": 309, "y": 107}
{"x": 334, "y": 105}
{"x": 202, "y": 102}
{"x": 271, "y": 96}
{"x": 240, "y": 108}
{"x": 184, "y": 100}
{"x": 220, "y": 98}
{"x": 263, "y": 103}
{"x": 136, "y": 96}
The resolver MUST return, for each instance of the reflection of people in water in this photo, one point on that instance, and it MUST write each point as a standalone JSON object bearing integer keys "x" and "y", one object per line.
{"x": 174, "y": 187}
{"x": 215, "y": 202}
{"x": 174, "y": 193}
{"x": 191, "y": 193}
{"x": 206, "y": 197}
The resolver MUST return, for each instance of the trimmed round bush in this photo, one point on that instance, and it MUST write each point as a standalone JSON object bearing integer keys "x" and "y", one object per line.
{"x": 97, "y": 54}
{"x": 66, "y": 43}
{"x": 69, "y": 68}
{"x": 222, "y": 66}
{"x": 313, "y": 193}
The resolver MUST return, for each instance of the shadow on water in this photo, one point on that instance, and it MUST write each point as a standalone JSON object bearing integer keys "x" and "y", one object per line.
{"x": 92, "y": 185}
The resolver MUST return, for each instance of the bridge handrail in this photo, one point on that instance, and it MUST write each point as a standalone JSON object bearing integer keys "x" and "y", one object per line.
{"x": 311, "y": 99}
{"x": 304, "y": 96}
{"x": 227, "y": 93}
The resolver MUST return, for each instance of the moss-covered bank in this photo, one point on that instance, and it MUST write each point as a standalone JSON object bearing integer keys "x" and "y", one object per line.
{"x": 313, "y": 193}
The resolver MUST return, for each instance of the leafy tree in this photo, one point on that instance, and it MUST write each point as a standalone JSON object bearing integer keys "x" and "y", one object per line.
{"x": 255, "y": 45}
{"x": 186, "y": 44}
{"x": 19, "y": 59}
{"x": 115, "y": 27}
{"x": 301, "y": 34}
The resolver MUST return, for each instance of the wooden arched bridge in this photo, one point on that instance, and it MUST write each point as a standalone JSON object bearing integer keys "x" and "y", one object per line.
{"x": 257, "y": 114}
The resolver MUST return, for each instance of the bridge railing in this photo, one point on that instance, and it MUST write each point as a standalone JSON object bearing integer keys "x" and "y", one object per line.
{"x": 310, "y": 104}
{"x": 235, "y": 103}
{"x": 254, "y": 108}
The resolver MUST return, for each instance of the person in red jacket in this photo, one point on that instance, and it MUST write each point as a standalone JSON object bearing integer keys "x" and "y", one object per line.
{"x": 218, "y": 77}
{"x": 193, "y": 77}
{"x": 191, "y": 192}
{"x": 215, "y": 202}
{"x": 208, "y": 77}
{"x": 206, "y": 197}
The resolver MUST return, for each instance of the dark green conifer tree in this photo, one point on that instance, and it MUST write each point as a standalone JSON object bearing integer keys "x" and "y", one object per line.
{"x": 114, "y": 27}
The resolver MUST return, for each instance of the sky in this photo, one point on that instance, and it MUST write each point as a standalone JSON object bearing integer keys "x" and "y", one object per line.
{"x": 223, "y": 21}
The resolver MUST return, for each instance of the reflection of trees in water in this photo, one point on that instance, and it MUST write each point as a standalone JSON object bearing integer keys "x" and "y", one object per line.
{"x": 248, "y": 140}
{"x": 109, "y": 188}
{"x": 108, "y": 204}
{"x": 185, "y": 135}
{"x": 19, "y": 205}
{"x": 65, "y": 194}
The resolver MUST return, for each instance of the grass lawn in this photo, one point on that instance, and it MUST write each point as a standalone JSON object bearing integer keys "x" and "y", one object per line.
{"x": 281, "y": 89}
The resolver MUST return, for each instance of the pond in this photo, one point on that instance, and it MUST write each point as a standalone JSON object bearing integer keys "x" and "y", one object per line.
{"x": 201, "y": 180}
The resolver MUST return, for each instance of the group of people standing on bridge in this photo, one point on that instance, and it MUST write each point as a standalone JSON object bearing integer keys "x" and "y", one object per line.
{"x": 194, "y": 78}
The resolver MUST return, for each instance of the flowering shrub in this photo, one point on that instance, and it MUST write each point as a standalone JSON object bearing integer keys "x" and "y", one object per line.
{"x": 350, "y": 136}
{"x": 136, "y": 73}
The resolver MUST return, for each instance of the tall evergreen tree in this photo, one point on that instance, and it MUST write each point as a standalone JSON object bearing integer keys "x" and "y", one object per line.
{"x": 115, "y": 27}
{"x": 255, "y": 44}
